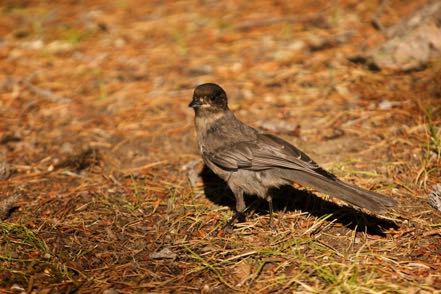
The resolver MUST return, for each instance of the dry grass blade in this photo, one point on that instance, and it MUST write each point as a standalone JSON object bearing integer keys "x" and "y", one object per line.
{"x": 210, "y": 267}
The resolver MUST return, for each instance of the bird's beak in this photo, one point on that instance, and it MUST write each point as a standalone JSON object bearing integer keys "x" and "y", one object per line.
{"x": 195, "y": 103}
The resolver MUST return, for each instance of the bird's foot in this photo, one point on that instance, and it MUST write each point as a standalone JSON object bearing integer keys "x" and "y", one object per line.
{"x": 229, "y": 226}
{"x": 239, "y": 216}
{"x": 271, "y": 224}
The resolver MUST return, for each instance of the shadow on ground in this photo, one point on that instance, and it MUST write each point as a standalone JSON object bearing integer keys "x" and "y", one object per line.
{"x": 288, "y": 198}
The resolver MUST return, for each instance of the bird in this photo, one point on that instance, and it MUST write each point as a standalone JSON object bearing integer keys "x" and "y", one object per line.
{"x": 253, "y": 162}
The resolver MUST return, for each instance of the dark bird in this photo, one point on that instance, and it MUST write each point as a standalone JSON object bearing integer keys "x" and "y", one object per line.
{"x": 252, "y": 162}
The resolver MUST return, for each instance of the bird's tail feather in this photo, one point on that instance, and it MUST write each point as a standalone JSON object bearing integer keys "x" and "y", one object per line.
{"x": 352, "y": 194}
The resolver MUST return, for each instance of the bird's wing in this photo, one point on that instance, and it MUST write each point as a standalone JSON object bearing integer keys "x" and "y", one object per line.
{"x": 266, "y": 152}
{"x": 232, "y": 156}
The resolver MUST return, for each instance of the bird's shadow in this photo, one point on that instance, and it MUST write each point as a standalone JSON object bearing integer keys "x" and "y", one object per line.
{"x": 287, "y": 198}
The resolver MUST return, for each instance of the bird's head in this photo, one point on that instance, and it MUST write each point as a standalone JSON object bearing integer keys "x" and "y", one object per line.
{"x": 209, "y": 98}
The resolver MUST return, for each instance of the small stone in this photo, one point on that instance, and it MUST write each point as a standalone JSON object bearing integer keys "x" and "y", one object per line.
{"x": 33, "y": 45}
{"x": 5, "y": 170}
{"x": 7, "y": 205}
{"x": 59, "y": 46}
{"x": 165, "y": 253}
{"x": 297, "y": 45}
{"x": 206, "y": 288}
{"x": 17, "y": 288}
{"x": 192, "y": 174}
{"x": 110, "y": 291}
{"x": 435, "y": 197}
{"x": 280, "y": 126}
{"x": 119, "y": 43}
{"x": 342, "y": 90}
{"x": 386, "y": 104}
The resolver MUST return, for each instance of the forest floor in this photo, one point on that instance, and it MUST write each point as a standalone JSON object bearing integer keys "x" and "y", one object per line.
{"x": 102, "y": 188}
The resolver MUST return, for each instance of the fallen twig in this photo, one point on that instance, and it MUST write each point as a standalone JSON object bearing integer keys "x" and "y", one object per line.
{"x": 375, "y": 21}
{"x": 7, "y": 205}
{"x": 261, "y": 22}
{"x": 44, "y": 93}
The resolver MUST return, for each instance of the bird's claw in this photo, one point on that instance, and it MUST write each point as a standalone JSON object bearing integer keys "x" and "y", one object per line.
{"x": 229, "y": 226}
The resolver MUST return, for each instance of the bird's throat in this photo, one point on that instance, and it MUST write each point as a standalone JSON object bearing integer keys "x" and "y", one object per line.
{"x": 204, "y": 120}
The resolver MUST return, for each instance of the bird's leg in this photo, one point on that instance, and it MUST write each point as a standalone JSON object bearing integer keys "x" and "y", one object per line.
{"x": 240, "y": 210}
{"x": 270, "y": 204}
{"x": 240, "y": 206}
